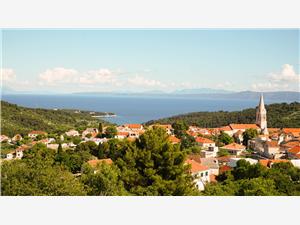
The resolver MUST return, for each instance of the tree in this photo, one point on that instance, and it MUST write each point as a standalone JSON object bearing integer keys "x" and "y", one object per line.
{"x": 257, "y": 187}
{"x": 248, "y": 135}
{"x": 225, "y": 138}
{"x": 110, "y": 132}
{"x": 100, "y": 128}
{"x": 222, "y": 152}
{"x": 153, "y": 166}
{"x": 37, "y": 174}
{"x": 180, "y": 128}
{"x": 103, "y": 180}
{"x": 187, "y": 141}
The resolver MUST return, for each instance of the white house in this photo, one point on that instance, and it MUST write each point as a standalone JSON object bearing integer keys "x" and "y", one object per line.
{"x": 35, "y": 133}
{"x": 205, "y": 142}
{"x": 72, "y": 133}
{"x": 201, "y": 174}
{"x": 234, "y": 148}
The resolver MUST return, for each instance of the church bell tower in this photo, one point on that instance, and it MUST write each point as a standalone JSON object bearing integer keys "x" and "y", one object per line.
{"x": 261, "y": 116}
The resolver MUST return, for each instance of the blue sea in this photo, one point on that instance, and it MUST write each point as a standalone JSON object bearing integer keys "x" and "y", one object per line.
{"x": 130, "y": 109}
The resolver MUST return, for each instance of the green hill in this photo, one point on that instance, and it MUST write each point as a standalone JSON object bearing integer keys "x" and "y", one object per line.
{"x": 278, "y": 115}
{"x": 16, "y": 119}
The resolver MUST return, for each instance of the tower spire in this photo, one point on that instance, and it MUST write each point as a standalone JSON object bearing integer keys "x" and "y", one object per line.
{"x": 261, "y": 115}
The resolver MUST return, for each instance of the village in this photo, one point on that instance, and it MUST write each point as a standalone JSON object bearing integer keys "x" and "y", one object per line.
{"x": 271, "y": 145}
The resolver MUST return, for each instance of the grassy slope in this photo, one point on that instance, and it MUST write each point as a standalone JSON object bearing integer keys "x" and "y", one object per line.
{"x": 278, "y": 115}
{"x": 17, "y": 119}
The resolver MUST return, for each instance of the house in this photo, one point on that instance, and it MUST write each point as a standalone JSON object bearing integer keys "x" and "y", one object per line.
{"x": 286, "y": 146}
{"x": 72, "y": 133}
{"x": 227, "y": 130}
{"x": 212, "y": 164}
{"x": 99, "y": 140}
{"x": 296, "y": 163}
{"x": 20, "y": 150}
{"x": 235, "y": 127}
{"x": 10, "y": 155}
{"x": 92, "y": 131}
{"x": 224, "y": 160}
{"x": 234, "y": 148}
{"x": 195, "y": 131}
{"x": 174, "y": 140}
{"x": 269, "y": 162}
{"x": 167, "y": 127}
{"x": 294, "y": 152}
{"x": 200, "y": 173}
{"x": 211, "y": 152}
{"x": 35, "y": 133}
{"x": 238, "y": 136}
{"x": 133, "y": 126}
{"x": 271, "y": 150}
{"x": 17, "y": 137}
{"x": 291, "y": 133}
{"x": 205, "y": 142}
{"x": 4, "y": 138}
{"x": 233, "y": 161}
{"x": 122, "y": 134}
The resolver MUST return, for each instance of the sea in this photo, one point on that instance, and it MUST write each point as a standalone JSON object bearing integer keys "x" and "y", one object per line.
{"x": 129, "y": 109}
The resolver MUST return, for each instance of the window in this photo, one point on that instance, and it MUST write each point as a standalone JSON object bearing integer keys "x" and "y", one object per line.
{"x": 206, "y": 173}
{"x": 201, "y": 174}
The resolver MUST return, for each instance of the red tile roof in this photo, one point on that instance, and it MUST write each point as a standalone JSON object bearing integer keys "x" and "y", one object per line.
{"x": 295, "y": 150}
{"x": 195, "y": 166}
{"x": 225, "y": 128}
{"x": 224, "y": 168}
{"x": 123, "y": 133}
{"x": 291, "y": 130}
{"x": 272, "y": 144}
{"x": 204, "y": 140}
{"x": 269, "y": 162}
{"x": 291, "y": 144}
{"x": 174, "y": 139}
{"x": 134, "y": 126}
{"x": 234, "y": 146}
{"x": 243, "y": 126}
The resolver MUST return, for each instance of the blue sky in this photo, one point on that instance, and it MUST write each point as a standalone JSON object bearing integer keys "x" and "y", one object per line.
{"x": 142, "y": 60}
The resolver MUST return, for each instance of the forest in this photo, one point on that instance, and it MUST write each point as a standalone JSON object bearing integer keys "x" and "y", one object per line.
{"x": 21, "y": 120}
{"x": 279, "y": 115}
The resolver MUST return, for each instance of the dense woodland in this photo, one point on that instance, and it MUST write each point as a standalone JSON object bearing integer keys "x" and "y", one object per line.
{"x": 278, "y": 115}
{"x": 17, "y": 119}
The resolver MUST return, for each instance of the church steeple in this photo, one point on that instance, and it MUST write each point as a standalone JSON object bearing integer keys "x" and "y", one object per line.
{"x": 261, "y": 116}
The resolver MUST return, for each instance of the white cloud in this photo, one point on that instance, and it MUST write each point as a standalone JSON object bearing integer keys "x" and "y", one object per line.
{"x": 101, "y": 76}
{"x": 286, "y": 80}
{"x": 7, "y": 75}
{"x": 141, "y": 81}
{"x": 58, "y": 75}
{"x": 287, "y": 74}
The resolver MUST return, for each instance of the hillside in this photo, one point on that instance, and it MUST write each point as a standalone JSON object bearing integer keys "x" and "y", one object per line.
{"x": 17, "y": 119}
{"x": 278, "y": 115}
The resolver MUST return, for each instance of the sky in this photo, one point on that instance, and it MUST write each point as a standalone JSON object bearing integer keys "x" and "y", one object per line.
{"x": 125, "y": 60}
